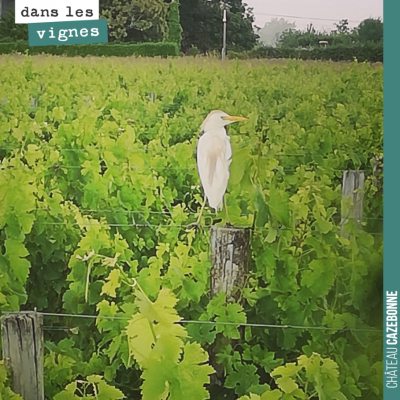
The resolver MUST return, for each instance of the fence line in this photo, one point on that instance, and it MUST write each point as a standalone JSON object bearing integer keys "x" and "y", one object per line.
{"x": 105, "y": 167}
{"x": 55, "y": 167}
{"x": 124, "y": 211}
{"x": 145, "y": 151}
{"x": 184, "y": 321}
{"x": 255, "y": 228}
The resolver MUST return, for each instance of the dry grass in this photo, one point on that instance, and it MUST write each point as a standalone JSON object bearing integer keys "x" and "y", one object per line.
{"x": 186, "y": 60}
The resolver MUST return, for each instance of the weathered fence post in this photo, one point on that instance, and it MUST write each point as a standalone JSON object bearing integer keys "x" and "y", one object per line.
{"x": 230, "y": 251}
{"x": 230, "y": 248}
{"x": 377, "y": 165}
{"x": 22, "y": 335}
{"x": 352, "y": 199}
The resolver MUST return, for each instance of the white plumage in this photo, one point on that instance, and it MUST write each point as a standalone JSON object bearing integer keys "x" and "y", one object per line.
{"x": 214, "y": 153}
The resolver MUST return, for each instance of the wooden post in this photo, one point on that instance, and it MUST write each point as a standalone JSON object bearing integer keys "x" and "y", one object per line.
{"x": 374, "y": 171}
{"x": 352, "y": 199}
{"x": 230, "y": 251}
{"x": 230, "y": 248}
{"x": 34, "y": 103}
{"x": 22, "y": 336}
{"x": 377, "y": 165}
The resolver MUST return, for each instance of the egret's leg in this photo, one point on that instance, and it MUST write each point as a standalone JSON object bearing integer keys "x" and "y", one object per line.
{"x": 201, "y": 211}
{"x": 226, "y": 210}
{"x": 197, "y": 223}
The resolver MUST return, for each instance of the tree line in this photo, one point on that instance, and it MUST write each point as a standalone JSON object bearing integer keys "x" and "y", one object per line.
{"x": 192, "y": 23}
{"x": 200, "y": 21}
{"x": 369, "y": 30}
{"x": 196, "y": 26}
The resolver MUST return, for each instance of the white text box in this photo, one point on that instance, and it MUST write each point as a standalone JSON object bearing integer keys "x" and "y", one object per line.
{"x": 31, "y": 11}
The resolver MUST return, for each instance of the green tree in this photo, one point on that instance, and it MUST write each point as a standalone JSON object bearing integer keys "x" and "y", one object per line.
{"x": 342, "y": 26}
{"x": 174, "y": 27}
{"x": 342, "y": 35}
{"x": 240, "y": 32}
{"x": 289, "y": 38}
{"x": 370, "y": 29}
{"x": 135, "y": 20}
{"x": 197, "y": 17}
{"x": 201, "y": 21}
{"x": 11, "y": 31}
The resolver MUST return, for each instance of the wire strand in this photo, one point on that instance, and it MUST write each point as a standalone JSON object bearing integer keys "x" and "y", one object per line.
{"x": 145, "y": 151}
{"x": 166, "y": 213}
{"x": 57, "y": 167}
{"x": 134, "y": 225}
{"x": 309, "y": 18}
{"x": 184, "y": 321}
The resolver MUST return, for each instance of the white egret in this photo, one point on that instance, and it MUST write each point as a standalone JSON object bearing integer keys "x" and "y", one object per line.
{"x": 214, "y": 153}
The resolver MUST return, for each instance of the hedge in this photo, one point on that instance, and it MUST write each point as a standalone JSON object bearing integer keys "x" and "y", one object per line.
{"x": 149, "y": 49}
{"x": 372, "y": 52}
{"x": 174, "y": 26}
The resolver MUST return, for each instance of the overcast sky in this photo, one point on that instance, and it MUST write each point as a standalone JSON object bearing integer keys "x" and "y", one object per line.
{"x": 322, "y": 13}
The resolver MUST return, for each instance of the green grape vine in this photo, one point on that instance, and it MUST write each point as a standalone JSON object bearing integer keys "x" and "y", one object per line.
{"x": 98, "y": 185}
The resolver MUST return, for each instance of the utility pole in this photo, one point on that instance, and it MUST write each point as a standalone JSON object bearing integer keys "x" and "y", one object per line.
{"x": 224, "y": 37}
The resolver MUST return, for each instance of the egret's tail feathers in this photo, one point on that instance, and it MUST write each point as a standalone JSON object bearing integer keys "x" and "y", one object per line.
{"x": 216, "y": 204}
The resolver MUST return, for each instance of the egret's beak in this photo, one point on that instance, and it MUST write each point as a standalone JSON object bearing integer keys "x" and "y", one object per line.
{"x": 234, "y": 119}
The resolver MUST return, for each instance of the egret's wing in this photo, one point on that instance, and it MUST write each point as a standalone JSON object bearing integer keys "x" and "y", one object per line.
{"x": 211, "y": 167}
{"x": 213, "y": 159}
{"x": 228, "y": 150}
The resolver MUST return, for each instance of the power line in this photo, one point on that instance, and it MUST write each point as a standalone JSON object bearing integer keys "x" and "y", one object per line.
{"x": 256, "y": 14}
{"x": 329, "y": 7}
{"x": 309, "y": 18}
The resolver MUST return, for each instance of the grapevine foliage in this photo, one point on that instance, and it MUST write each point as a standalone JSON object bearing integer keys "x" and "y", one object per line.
{"x": 5, "y": 391}
{"x": 98, "y": 183}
